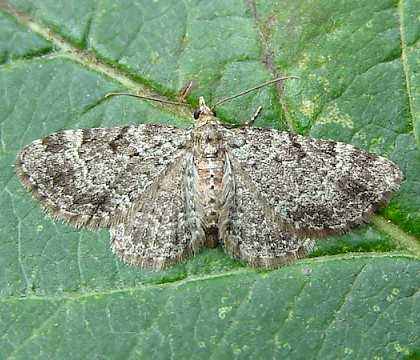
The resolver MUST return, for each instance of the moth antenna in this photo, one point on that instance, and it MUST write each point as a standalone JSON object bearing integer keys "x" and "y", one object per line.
{"x": 252, "y": 89}
{"x": 187, "y": 89}
{"x": 146, "y": 98}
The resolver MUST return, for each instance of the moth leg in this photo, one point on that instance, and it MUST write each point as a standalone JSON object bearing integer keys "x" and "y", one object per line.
{"x": 250, "y": 121}
{"x": 245, "y": 124}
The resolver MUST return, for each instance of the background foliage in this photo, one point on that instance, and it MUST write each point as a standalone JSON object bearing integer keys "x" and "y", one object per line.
{"x": 63, "y": 293}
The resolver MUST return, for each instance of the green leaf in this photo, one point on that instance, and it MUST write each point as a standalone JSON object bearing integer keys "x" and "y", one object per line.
{"x": 65, "y": 295}
{"x": 330, "y": 309}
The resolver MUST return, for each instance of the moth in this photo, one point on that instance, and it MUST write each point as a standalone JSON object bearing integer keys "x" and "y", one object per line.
{"x": 166, "y": 192}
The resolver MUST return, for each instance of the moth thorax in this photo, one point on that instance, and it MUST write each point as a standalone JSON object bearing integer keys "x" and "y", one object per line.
{"x": 208, "y": 141}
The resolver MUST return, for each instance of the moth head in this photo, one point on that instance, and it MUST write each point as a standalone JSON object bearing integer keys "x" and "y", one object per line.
{"x": 204, "y": 110}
